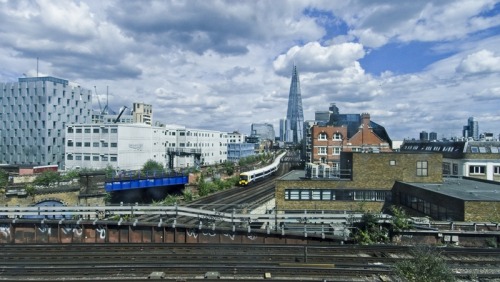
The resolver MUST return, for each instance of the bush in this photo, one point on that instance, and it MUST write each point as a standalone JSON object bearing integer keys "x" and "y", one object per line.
{"x": 427, "y": 265}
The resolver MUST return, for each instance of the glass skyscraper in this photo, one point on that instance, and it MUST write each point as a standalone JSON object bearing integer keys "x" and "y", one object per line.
{"x": 295, "y": 115}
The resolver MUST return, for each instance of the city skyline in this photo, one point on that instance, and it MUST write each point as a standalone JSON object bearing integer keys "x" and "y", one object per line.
{"x": 414, "y": 66}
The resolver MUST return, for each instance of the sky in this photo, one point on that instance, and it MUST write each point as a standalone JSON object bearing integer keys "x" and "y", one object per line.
{"x": 222, "y": 65}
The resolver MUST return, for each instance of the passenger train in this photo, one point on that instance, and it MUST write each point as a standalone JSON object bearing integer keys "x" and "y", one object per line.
{"x": 249, "y": 177}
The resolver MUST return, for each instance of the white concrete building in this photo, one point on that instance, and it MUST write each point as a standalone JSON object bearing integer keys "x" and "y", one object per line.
{"x": 122, "y": 146}
{"x": 130, "y": 146}
{"x": 195, "y": 147}
{"x": 236, "y": 137}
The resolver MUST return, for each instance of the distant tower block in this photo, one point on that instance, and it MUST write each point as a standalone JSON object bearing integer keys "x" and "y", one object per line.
{"x": 295, "y": 114}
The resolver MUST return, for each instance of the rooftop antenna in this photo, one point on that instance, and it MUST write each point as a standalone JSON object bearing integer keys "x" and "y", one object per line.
{"x": 107, "y": 105}
{"x": 36, "y": 66}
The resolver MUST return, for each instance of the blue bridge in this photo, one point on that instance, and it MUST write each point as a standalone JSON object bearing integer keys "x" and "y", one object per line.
{"x": 120, "y": 183}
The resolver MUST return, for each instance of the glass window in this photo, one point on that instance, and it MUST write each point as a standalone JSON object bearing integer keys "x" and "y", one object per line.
{"x": 78, "y": 158}
{"x": 70, "y": 143}
{"x": 304, "y": 194}
{"x": 494, "y": 149}
{"x": 321, "y": 150}
{"x": 95, "y": 130}
{"x": 496, "y": 169}
{"x": 114, "y": 130}
{"x": 477, "y": 169}
{"x": 104, "y": 158}
{"x": 87, "y": 144}
{"x": 474, "y": 149}
{"x": 104, "y": 144}
{"x": 294, "y": 194}
{"x": 70, "y": 157}
{"x": 95, "y": 144}
{"x": 336, "y": 150}
{"x": 326, "y": 195}
{"x": 316, "y": 195}
{"x": 422, "y": 168}
{"x": 78, "y": 144}
{"x": 78, "y": 130}
{"x": 95, "y": 158}
{"x": 337, "y": 136}
{"x": 113, "y": 159}
{"x": 87, "y": 130}
{"x": 70, "y": 129}
{"x": 322, "y": 136}
{"x": 86, "y": 158}
{"x": 114, "y": 145}
{"x": 104, "y": 130}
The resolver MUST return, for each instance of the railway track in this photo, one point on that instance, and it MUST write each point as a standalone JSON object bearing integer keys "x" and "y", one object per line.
{"x": 232, "y": 261}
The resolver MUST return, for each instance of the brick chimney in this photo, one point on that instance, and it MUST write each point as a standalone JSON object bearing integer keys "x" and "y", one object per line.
{"x": 366, "y": 119}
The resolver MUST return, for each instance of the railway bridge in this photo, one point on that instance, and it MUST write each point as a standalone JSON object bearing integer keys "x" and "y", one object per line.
{"x": 123, "y": 224}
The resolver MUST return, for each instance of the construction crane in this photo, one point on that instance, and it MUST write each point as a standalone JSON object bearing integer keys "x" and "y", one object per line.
{"x": 101, "y": 110}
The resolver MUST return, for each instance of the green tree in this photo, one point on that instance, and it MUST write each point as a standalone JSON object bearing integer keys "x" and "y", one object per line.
{"x": 70, "y": 175}
{"x": 229, "y": 167}
{"x": 30, "y": 189}
{"x": 4, "y": 178}
{"x": 426, "y": 265}
{"x": 47, "y": 178}
{"x": 152, "y": 166}
{"x": 369, "y": 231}
{"x": 400, "y": 220}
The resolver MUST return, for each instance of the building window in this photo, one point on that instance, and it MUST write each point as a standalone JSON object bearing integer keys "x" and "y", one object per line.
{"x": 86, "y": 158}
{"x": 70, "y": 143}
{"x": 78, "y": 144}
{"x": 95, "y": 130}
{"x": 78, "y": 158}
{"x": 113, "y": 159}
{"x": 70, "y": 129}
{"x": 95, "y": 158}
{"x": 78, "y": 130}
{"x": 322, "y": 151}
{"x": 70, "y": 157}
{"x": 422, "y": 168}
{"x": 95, "y": 144}
{"x": 337, "y": 136}
{"x": 392, "y": 162}
{"x": 87, "y": 130}
{"x": 86, "y": 144}
{"x": 496, "y": 169}
{"x": 104, "y": 130}
{"x": 114, "y": 130}
{"x": 114, "y": 145}
{"x": 104, "y": 158}
{"x": 455, "y": 169}
{"x": 322, "y": 136}
{"x": 476, "y": 169}
{"x": 336, "y": 150}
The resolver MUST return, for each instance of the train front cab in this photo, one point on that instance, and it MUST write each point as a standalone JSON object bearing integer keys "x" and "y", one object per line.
{"x": 244, "y": 179}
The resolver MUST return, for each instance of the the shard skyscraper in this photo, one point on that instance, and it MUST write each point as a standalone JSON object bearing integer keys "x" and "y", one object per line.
{"x": 294, "y": 115}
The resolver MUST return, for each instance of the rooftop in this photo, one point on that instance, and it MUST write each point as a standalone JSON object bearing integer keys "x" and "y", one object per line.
{"x": 464, "y": 188}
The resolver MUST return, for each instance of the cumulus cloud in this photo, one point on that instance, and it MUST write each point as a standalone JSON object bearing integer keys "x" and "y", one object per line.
{"x": 483, "y": 61}
{"x": 313, "y": 57}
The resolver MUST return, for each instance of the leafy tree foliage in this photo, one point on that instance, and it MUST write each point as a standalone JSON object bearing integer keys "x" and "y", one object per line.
{"x": 47, "y": 178}
{"x": 151, "y": 166}
{"x": 427, "y": 265}
{"x": 4, "y": 178}
{"x": 400, "y": 220}
{"x": 369, "y": 231}
{"x": 229, "y": 167}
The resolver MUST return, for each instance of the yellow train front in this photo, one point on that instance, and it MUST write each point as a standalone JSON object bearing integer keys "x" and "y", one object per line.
{"x": 244, "y": 179}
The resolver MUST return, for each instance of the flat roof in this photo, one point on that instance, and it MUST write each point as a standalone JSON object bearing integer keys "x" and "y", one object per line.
{"x": 294, "y": 175}
{"x": 463, "y": 188}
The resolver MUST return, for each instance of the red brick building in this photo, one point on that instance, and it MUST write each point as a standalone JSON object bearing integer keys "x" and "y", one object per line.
{"x": 327, "y": 141}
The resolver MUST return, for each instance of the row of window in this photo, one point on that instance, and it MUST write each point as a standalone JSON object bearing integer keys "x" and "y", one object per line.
{"x": 433, "y": 210}
{"x": 323, "y": 136}
{"x": 308, "y": 194}
{"x": 94, "y": 144}
{"x": 93, "y": 130}
{"x": 96, "y": 158}
{"x": 323, "y": 150}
